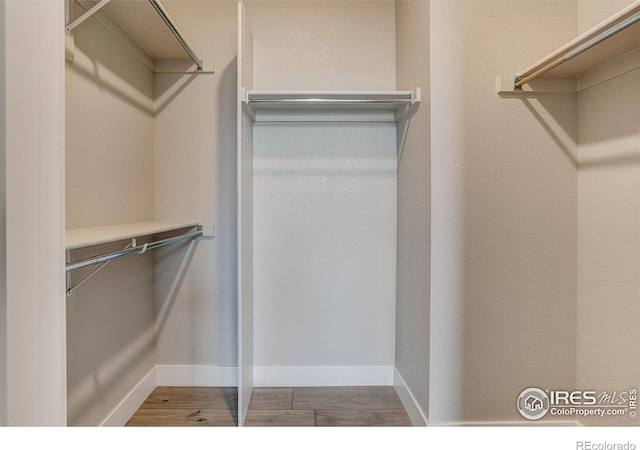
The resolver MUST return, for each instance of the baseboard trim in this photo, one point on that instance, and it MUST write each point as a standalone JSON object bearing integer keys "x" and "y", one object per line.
{"x": 294, "y": 376}
{"x": 415, "y": 412}
{"x": 129, "y": 405}
{"x": 224, "y": 376}
{"x": 523, "y": 423}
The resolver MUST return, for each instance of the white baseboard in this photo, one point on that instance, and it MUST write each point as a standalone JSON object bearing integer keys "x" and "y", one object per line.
{"x": 224, "y": 376}
{"x": 277, "y": 376}
{"x": 415, "y": 412}
{"x": 227, "y": 376}
{"x": 524, "y": 423}
{"x": 127, "y": 407}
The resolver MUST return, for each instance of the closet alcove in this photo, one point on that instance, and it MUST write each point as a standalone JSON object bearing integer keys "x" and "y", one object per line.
{"x": 317, "y": 225}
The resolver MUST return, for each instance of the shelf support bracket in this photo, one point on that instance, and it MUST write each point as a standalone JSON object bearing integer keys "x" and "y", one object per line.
{"x": 403, "y": 120}
{"x": 90, "y": 12}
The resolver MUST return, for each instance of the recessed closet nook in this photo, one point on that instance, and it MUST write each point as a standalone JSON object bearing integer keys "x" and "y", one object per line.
{"x": 318, "y": 193}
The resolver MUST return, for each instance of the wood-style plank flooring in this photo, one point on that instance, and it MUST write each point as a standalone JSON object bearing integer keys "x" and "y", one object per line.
{"x": 285, "y": 407}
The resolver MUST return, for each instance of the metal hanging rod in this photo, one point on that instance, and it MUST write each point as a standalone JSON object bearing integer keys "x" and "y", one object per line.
{"x": 549, "y": 64}
{"x": 163, "y": 15}
{"x": 135, "y": 250}
{"x": 174, "y": 29}
{"x": 332, "y": 100}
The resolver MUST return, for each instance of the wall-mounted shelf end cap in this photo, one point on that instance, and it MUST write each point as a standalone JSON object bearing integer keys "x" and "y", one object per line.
{"x": 411, "y": 108}
{"x": 506, "y": 85}
{"x": 415, "y": 95}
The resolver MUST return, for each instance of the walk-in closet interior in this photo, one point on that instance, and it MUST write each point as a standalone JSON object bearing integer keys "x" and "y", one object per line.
{"x": 151, "y": 142}
{"x": 320, "y": 193}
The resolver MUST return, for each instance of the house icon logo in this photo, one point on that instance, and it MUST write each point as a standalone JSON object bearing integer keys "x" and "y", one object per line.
{"x": 533, "y": 403}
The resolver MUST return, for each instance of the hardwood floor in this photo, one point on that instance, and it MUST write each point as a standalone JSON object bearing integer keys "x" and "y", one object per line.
{"x": 285, "y": 407}
{"x": 188, "y": 406}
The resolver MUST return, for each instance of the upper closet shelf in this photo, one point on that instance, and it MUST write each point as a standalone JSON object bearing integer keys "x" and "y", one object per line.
{"x": 145, "y": 28}
{"x": 605, "y": 43}
{"x": 285, "y": 106}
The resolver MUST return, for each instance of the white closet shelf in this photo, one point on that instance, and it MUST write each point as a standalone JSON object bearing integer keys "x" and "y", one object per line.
{"x": 146, "y": 29}
{"x": 610, "y": 40}
{"x": 384, "y": 106}
{"x": 86, "y": 237}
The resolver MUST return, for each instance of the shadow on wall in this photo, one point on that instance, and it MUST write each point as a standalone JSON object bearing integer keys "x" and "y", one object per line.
{"x": 542, "y": 109}
{"x": 609, "y": 125}
{"x": 110, "y": 67}
{"x": 178, "y": 84}
{"x": 503, "y": 217}
{"x": 110, "y": 340}
{"x": 173, "y": 265}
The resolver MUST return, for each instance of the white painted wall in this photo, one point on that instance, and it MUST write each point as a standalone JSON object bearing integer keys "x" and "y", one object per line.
{"x": 3, "y": 244}
{"x": 503, "y": 241}
{"x": 301, "y": 45}
{"x": 324, "y": 244}
{"x": 109, "y": 114}
{"x": 592, "y": 12}
{"x": 33, "y": 164}
{"x": 109, "y": 180}
{"x": 195, "y": 179}
{"x": 414, "y": 205}
{"x": 609, "y": 239}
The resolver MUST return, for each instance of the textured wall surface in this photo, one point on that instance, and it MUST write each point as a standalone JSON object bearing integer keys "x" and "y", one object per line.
{"x": 592, "y": 12}
{"x": 323, "y": 45}
{"x": 324, "y": 244}
{"x": 109, "y": 180}
{"x": 609, "y": 239}
{"x": 503, "y": 212}
{"x": 3, "y": 248}
{"x": 109, "y": 115}
{"x": 195, "y": 165}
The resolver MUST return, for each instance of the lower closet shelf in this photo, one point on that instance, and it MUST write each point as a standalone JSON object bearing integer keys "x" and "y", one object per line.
{"x": 86, "y": 237}
{"x": 95, "y": 236}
